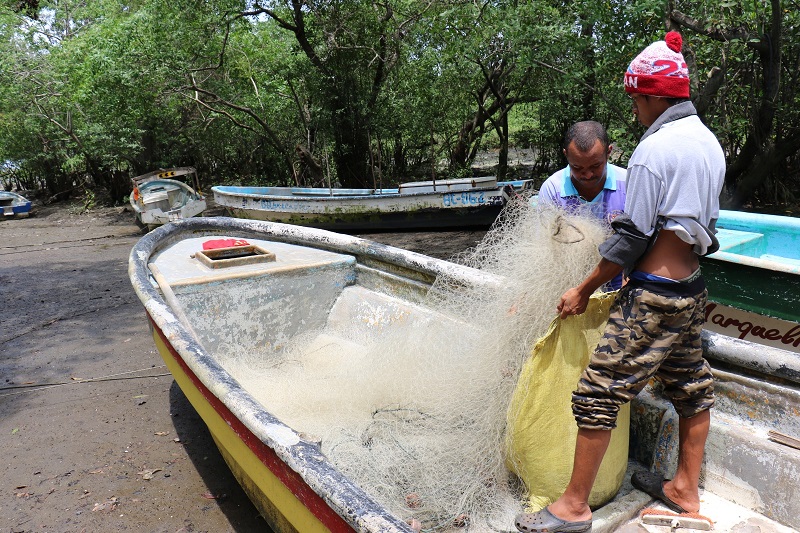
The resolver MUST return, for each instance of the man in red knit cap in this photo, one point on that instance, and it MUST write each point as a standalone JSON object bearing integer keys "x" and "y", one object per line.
{"x": 674, "y": 179}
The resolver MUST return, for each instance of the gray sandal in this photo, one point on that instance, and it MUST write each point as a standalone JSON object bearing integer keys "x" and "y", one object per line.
{"x": 653, "y": 485}
{"x": 546, "y": 522}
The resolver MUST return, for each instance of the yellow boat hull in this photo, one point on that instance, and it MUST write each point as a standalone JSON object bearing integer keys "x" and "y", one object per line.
{"x": 284, "y": 500}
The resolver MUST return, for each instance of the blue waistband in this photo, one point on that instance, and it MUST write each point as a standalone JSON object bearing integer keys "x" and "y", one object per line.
{"x": 691, "y": 286}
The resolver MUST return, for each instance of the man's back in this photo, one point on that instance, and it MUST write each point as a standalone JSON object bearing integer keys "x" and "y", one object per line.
{"x": 689, "y": 163}
{"x": 676, "y": 175}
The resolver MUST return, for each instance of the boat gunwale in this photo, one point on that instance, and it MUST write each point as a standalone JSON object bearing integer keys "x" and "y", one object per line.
{"x": 744, "y": 354}
{"x": 373, "y": 195}
{"x": 741, "y": 259}
{"x": 348, "y": 500}
{"x": 765, "y": 220}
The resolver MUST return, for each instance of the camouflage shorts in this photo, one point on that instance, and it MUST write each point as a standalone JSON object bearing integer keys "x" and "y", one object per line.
{"x": 647, "y": 335}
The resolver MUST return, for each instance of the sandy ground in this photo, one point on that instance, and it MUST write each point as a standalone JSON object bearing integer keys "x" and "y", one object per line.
{"x": 95, "y": 435}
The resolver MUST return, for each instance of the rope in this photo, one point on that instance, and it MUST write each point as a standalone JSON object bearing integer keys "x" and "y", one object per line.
{"x": 35, "y": 387}
{"x": 44, "y": 246}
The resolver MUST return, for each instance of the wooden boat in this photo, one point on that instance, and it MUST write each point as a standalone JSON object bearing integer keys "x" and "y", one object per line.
{"x": 754, "y": 279}
{"x": 14, "y": 205}
{"x": 282, "y": 279}
{"x": 158, "y": 197}
{"x": 456, "y": 203}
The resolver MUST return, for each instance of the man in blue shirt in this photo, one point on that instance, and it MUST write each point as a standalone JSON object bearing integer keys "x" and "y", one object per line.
{"x": 589, "y": 182}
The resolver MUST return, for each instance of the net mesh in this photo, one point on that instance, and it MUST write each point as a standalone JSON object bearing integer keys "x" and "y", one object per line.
{"x": 416, "y": 413}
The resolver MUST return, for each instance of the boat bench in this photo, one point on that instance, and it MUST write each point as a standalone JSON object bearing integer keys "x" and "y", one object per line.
{"x": 736, "y": 241}
{"x": 244, "y": 308}
{"x": 329, "y": 194}
{"x": 360, "y": 312}
{"x": 752, "y": 245}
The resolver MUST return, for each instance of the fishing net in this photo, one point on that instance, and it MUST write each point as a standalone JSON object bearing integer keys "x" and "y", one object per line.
{"x": 410, "y": 400}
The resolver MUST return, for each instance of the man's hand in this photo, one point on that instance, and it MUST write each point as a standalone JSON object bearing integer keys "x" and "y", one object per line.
{"x": 576, "y": 300}
{"x": 573, "y": 302}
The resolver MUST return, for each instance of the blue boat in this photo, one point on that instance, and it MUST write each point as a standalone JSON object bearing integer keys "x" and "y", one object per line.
{"x": 14, "y": 205}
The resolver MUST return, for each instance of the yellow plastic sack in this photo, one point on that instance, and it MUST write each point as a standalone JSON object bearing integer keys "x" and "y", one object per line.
{"x": 540, "y": 441}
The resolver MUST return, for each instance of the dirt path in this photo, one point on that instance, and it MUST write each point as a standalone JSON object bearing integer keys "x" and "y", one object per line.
{"x": 94, "y": 433}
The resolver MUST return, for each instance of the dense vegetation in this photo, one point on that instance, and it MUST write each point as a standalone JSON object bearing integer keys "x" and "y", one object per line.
{"x": 363, "y": 92}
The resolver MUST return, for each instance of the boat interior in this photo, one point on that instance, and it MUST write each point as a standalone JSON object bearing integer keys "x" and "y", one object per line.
{"x": 774, "y": 238}
{"x": 751, "y": 475}
{"x": 165, "y": 195}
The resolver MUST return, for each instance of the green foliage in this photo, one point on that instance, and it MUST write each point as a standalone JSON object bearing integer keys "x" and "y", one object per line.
{"x": 364, "y": 92}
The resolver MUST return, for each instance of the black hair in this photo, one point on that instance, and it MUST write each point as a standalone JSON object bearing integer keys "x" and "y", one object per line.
{"x": 673, "y": 101}
{"x": 585, "y": 134}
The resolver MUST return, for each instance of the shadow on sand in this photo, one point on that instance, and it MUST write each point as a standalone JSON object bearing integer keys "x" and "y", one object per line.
{"x": 213, "y": 470}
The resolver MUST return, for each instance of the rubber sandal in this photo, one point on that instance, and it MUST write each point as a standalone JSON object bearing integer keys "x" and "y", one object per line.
{"x": 546, "y": 522}
{"x": 653, "y": 485}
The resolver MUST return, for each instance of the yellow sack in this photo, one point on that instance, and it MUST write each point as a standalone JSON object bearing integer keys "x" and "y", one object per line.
{"x": 540, "y": 441}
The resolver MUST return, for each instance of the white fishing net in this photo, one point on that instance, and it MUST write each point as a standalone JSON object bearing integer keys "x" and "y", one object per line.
{"x": 415, "y": 414}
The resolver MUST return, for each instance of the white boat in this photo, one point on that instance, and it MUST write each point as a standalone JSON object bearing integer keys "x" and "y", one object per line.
{"x": 162, "y": 196}
{"x": 220, "y": 291}
{"x": 455, "y": 203}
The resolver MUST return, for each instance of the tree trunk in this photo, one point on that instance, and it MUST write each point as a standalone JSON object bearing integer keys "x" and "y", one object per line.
{"x": 399, "y": 159}
{"x": 309, "y": 166}
{"x": 351, "y": 154}
{"x": 502, "y": 164}
{"x": 764, "y": 165}
{"x": 751, "y": 166}
{"x": 351, "y": 137}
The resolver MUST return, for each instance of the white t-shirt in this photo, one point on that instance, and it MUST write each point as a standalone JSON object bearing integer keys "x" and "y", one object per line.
{"x": 677, "y": 172}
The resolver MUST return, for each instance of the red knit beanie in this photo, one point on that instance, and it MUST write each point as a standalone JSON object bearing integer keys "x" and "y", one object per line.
{"x": 660, "y": 70}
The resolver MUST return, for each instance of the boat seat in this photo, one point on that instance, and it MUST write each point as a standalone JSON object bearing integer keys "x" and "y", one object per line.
{"x": 361, "y": 312}
{"x": 328, "y": 193}
{"x": 730, "y": 238}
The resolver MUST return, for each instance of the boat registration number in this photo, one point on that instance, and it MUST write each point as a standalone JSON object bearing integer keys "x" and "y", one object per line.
{"x": 461, "y": 199}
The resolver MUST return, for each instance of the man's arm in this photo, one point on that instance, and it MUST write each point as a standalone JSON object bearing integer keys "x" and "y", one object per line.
{"x": 576, "y": 299}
